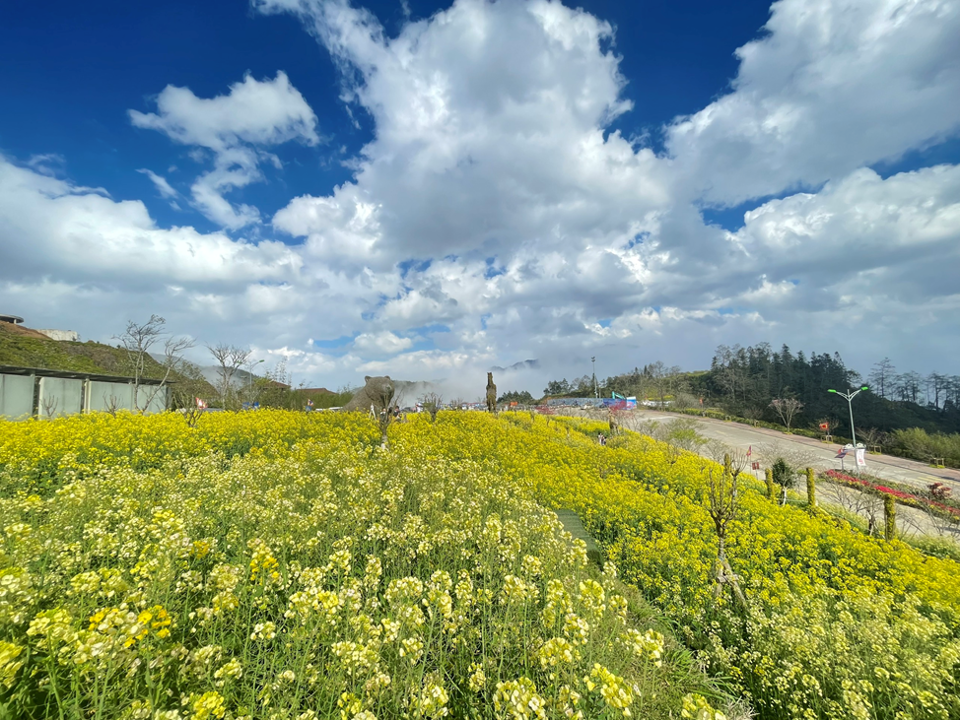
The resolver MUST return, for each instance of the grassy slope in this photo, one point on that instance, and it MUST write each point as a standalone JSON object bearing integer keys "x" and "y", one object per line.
{"x": 25, "y": 349}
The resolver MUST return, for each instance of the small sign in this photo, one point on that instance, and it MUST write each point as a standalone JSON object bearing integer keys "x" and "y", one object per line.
{"x": 824, "y": 426}
{"x": 861, "y": 457}
{"x": 755, "y": 466}
{"x": 841, "y": 453}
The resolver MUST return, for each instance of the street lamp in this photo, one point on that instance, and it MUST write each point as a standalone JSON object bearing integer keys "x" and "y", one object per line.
{"x": 250, "y": 373}
{"x": 849, "y": 396}
{"x": 596, "y": 390}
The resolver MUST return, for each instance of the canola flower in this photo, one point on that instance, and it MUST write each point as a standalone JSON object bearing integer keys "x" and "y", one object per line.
{"x": 838, "y": 624}
{"x": 436, "y": 564}
{"x": 271, "y": 566}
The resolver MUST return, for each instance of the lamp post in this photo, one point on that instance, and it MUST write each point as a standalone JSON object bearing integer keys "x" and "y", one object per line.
{"x": 849, "y": 396}
{"x": 250, "y": 373}
{"x": 596, "y": 390}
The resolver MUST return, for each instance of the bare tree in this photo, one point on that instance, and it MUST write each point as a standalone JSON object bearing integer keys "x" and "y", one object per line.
{"x": 683, "y": 433}
{"x": 936, "y": 385}
{"x": 871, "y": 436}
{"x": 49, "y": 406}
{"x": 665, "y": 380}
{"x": 722, "y": 490}
{"x": 684, "y": 400}
{"x": 787, "y": 409}
{"x": 857, "y": 502}
{"x": 230, "y": 358}
{"x": 187, "y": 396}
{"x": 882, "y": 378}
{"x": 716, "y": 450}
{"x": 431, "y": 403}
{"x": 111, "y": 404}
{"x": 797, "y": 456}
{"x": 736, "y": 462}
{"x": 138, "y": 340}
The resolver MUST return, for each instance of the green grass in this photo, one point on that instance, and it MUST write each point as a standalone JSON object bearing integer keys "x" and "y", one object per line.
{"x": 90, "y": 357}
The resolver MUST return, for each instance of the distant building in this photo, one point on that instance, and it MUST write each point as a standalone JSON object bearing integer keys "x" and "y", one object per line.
{"x": 12, "y": 319}
{"x": 61, "y": 335}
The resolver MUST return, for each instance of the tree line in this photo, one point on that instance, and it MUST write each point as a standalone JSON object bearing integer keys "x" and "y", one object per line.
{"x": 235, "y": 384}
{"x": 751, "y": 382}
{"x": 790, "y": 389}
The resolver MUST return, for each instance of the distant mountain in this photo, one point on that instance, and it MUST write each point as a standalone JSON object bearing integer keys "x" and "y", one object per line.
{"x": 522, "y": 365}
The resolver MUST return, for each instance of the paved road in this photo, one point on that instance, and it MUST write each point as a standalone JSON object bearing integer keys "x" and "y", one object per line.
{"x": 767, "y": 444}
{"x": 806, "y": 452}
{"x": 801, "y": 451}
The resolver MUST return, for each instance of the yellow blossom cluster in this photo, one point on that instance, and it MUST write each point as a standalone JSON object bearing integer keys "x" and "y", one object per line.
{"x": 283, "y": 565}
{"x": 837, "y": 623}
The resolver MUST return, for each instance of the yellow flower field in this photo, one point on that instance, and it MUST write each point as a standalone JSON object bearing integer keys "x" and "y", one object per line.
{"x": 282, "y": 565}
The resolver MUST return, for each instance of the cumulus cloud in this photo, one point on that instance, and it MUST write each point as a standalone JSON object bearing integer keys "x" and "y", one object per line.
{"x": 234, "y": 126}
{"x": 493, "y": 217}
{"x": 490, "y": 134}
{"x": 56, "y": 229}
{"x": 380, "y": 344}
{"x": 833, "y": 85}
{"x": 72, "y": 257}
{"x": 859, "y": 244}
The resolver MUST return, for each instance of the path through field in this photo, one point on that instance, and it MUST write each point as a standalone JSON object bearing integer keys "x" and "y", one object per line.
{"x": 819, "y": 455}
{"x": 807, "y": 452}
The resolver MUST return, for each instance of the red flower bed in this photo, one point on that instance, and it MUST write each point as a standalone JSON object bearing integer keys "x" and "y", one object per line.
{"x": 909, "y": 498}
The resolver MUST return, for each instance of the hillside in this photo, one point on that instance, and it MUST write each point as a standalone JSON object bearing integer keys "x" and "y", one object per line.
{"x": 28, "y": 348}
{"x": 24, "y": 347}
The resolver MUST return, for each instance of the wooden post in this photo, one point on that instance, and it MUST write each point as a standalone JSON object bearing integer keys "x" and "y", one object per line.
{"x": 889, "y": 517}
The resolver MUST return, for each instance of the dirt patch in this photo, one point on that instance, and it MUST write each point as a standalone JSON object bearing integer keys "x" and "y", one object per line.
{"x": 22, "y": 331}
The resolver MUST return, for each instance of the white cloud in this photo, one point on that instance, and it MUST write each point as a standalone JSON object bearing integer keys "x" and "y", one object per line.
{"x": 51, "y": 164}
{"x": 160, "y": 183}
{"x": 253, "y": 114}
{"x": 490, "y": 123}
{"x": 862, "y": 241}
{"x": 268, "y": 112}
{"x": 53, "y": 228}
{"x": 429, "y": 363}
{"x": 71, "y": 257}
{"x": 380, "y": 344}
{"x": 533, "y": 232}
{"x": 834, "y": 85}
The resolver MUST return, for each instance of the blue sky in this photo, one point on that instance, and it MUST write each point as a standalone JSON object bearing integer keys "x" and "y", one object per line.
{"x": 431, "y": 189}
{"x": 73, "y": 79}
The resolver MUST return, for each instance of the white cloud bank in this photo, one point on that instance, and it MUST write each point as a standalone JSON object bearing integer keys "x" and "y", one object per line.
{"x": 493, "y": 217}
{"x": 833, "y": 86}
{"x": 233, "y": 126}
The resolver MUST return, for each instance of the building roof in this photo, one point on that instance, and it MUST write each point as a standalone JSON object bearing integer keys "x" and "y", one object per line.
{"x": 14, "y": 319}
{"x": 72, "y": 375}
